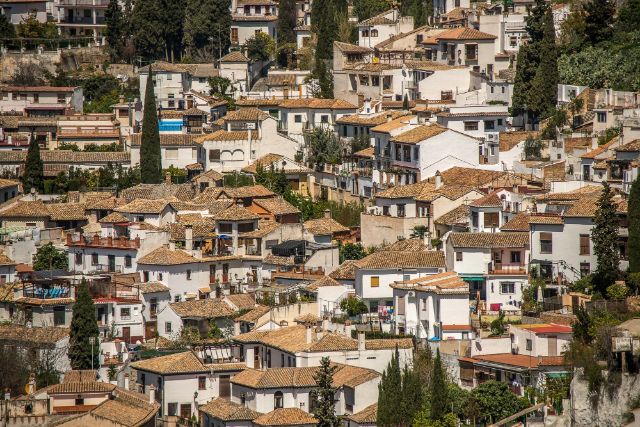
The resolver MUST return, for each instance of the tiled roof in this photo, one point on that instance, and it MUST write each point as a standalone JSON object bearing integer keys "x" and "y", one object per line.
{"x": 247, "y": 191}
{"x": 7, "y": 183}
{"x": 169, "y": 139}
{"x": 547, "y": 328}
{"x": 80, "y": 387}
{"x": 488, "y": 201}
{"x": 30, "y": 209}
{"x": 114, "y": 217}
{"x": 508, "y": 140}
{"x": 600, "y": 149}
{"x": 165, "y": 256}
{"x": 68, "y": 157}
{"x": 223, "y": 135}
{"x": 318, "y": 103}
{"x": 143, "y": 206}
{"x": 6, "y": 88}
{"x": 246, "y": 114}
{"x": 183, "y": 192}
{"x": 419, "y": 133}
{"x": 368, "y": 415}
{"x": 225, "y": 410}
{"x": 325, "y": 281}
{"x": 389, "y": 344}
{"x": 202, "y": 309}
{"x": 236, "y": 213}
{"x": 5, "y": 260}
{"x": 253, "y": 18}
{"x": 441, "y": 284}
{"x": 370, "y": 119}
{"x": 270, "y": 159}
{"x": 629, "y": 146}
{"x": 464, "y": 33}
{"x": 368, "y": 152}
{"x": 394, "y": 124}
{"x": 520, "y": 360}
{"x": 277, "y": 206}
{"x": 37, "y": 335}
{"x": 211, "y": 174}
{"x": 307, "y": 319}
{"x": 546, "y": 219}
{"x": 152, "y": 287}
{"x": 265, "y": 227}
{"x": 379, "y": 19}
{"x": 66, "y": 211}
{"x": 106, "y": 204}
{"x": 128, "y": 409}
{"x": 253, "y": 315}
{"x": 490, "y": 240}
{"x": 278, "y": 260}
{"x": 351, "y": 48}
{"x": 346, "y": 271}
{"x": 459, "y": 215}
{"x": 425, "y": 191}
{"x": 407, "y": 245}
{"x": 520, "y": 222}
{"x": 400, "y": 259}
{"x": 291, "y": 339}
{"x": 178, "y": 363}
{"x": 235, "y": 56}
{"x": 201, "y": 229}
{"x": 324, "y": 226}
{"x": 286, "y": 417}
{"x": 242, "y": 301}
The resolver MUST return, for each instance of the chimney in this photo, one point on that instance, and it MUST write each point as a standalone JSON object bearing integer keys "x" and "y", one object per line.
{"x": 361, "y": 342}
{"x": 438, "y": 180}
{"x": 172, "y": 246}
{"x": 327, "y": 213}
{"x": 167, "y": 178}
{"x": 152, "y": 394}
{"x": 188, "y": 237}
{"x": 31, "y": 387}
{"x": 308, "y": 335}
{"x": 236, "y": 328}
{"x": 325, "y": 324}
{"x": 126, "y": 381}
{"x": 389, "y": 117}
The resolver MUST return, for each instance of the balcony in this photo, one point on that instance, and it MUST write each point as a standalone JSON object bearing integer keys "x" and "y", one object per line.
{"x": 84, "y": 3}
{"x": 122, "y": 242}
{"x": 507, "y": 268}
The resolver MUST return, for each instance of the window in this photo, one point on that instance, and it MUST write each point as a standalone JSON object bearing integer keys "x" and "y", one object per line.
{"x": 529, "y": 345}
{"x": 278, "y": 400}
{"x": 125, "y": 313}
{"x": 500, "y": 120}
{"x": 471, "y": 52}
{"x": 79, "y": 401}
{"x": 153, "y": 306}
{"x": 374, "y": 33}
{"x": 474, "y": 219}
{"x": 585, "y": 248}
{"x": 176, "y": 298}
{"x": 188, "y": 274}
{"x": 489, "y": 125}
{"x": 491, "y": 219}
{"x": 94, "y": 259}
{"x": 546, "y": 243}
{"x": 171, "y": 153}
{"x": 416, "y": 153}
{"x": 36, "y": 98}
{"x": 515, "y": 257}
{"x": 365, "y": 33}
{"x": 171, "y": 103}
{"x": 234, "y": 35}
{"x": 375, "y": 80}
{"x": 458, "y": 256}
{"x": 159, "y": 276}
{"x": 214, "y": 155}
{"x": 61, "y": 98}
{"x": 324, "y": 118}
{"x": 385, "y": 210}
{"x": 585, "y": 269}
{"x": 59, "y": 316}
{"x": 78, "y": 258}
{"x": 401, "y": 210}
{"x": 127, "y": 260}
{"x": 507, "y": 288}
{"x": 202, "y": 383}
{"x": 14, "y": 96}
{"x": 258, "y": 10}
{"x": 513, "y": 41}
{"x": 225, "y": 227}
{"x": 297, "y": 118}
{"x": 167, "y": 327}
{"x": 375, "y": 281}
{"x": 601, "y": 116}
{"x": 172, "y": 408}
{"x": 470, "y": 126}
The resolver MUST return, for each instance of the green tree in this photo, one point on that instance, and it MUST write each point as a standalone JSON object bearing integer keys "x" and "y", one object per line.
{"x": 325, "y": 148}
{"x": 7, "y": 30}
{"x": 325, "y": 80}
{"x": 31, "y": 27}
{"x": 599, "y": 20}
{"x": 527, "y": 64}
{"x": 150, "y": 158}
{"x": 274, "y": 180}
{"x": 495, "y": 401}
{"x": 439, "y": 394}
{"x": 207, "y": 29}
{"x": 353, "y": 306}
{"x": 351, "y": 251}
{"x": 543, "y": 95}
{"x": 617, "y": 291}
{"x": 287, "y": 21}
{"x": 604, "y": 236}
{"x": 498, "y": 325}
{"x": 48, "y": 257}
{"x": 628, "y": 16}
{"x": 390, "y": 393}
{"x": 419, "y": 9}
{"x": 325, "y": 410}
{"x": 33, "y": 167}
{"x": 260, "y": 47}
{"x": 419, "y": 231}
{"x": 114, "y": 33}
{"x": 412, "y": 394}
{"x": 633, "y": 216}
{"x": 83, "y": 337}
{"x": 147, "y": 25}
{"x": 365, "y": 9}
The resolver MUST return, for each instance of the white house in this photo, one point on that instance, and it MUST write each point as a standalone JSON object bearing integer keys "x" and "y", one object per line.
{"x": 250, "y": 17}
{"x": 542, "y": 339}
{"x": 478, "y": 121}
{"x": 198, "y": 315}
{"x": 383, "y": 26}
{"x": 177, "y": 150}
{"x": 41, "y": 100}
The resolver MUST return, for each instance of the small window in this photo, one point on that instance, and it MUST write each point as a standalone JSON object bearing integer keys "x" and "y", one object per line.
{"x": 602, "y": 116}
{"x": 507, "y": 288}
{"x": 188, "y": 274}
{"x": 214, "y": 155}
{"x": 171, "y": 153}
{"x": 401, "y": 210}
{"x": 127, "y": 261}
{"x": 62, "y": 98}
{"x": 36, "y": 98}
{"x": 585, "y": 248}
{"x": 159, "y": 276}
{"x": 469, "y": 126}
{"x": 585, "y": 269}
{"x": 172, "y": 408}
{"x": 515, "y": 257}
{"x": 375, "y": 281}
{"x": 458, "y": 256}
{"x": 297, "y": 118}
{"x": 94, "y": 259}
{"x": 546, "y": 243}
{"x": 324, "y": 118}
{"x": 125, "y": 313}
{"x": 79, "y": 401}
{"x": 529, "y": 346}
{"x": 489, "y": 125}
{"x": 169, "y": 76}
{"x": 202, "y": 383}
{"x": 278, "y": 400}
{"x": 78, "y": 257}
{"x": 167, "y": 327}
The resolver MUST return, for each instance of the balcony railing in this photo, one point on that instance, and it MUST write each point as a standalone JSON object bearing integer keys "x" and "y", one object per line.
{"x": 84, "y": 3}
{"x": 76, "y": 239}
{"x": 507, "y": 269}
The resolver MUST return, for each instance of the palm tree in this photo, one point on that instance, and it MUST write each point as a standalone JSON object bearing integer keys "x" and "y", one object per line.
{"x": 419, "y": 231}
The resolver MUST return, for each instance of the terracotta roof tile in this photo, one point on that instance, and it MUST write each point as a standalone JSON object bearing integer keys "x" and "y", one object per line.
{"x": 441, "y": 284}
{"x": 521, "y": 360}
{"x": 143, "y": 206}
{"x": 225, "y": 410}
{"x": 490, "y": 240}
{"x": 80, "y": 387}
{"x": 277, "y": 206}
{"x": 165, "y": 256}
{"x": 235, "y": 56}
{"x": 184, "y": 192}
{"x": 125, "y": 410}
{"x": 370, "y": 119}
{"x": 456, "y": 216}
{"x": 236, "y": 213}
{"x": 286, "y": 417}
{"x": 632, "y": 146}
{"x": 246, "y": 114}
{"x": 407, "y": 245}
{"x": 37, "y": 335}
{"x": 464, "y": 33}
{"x": 346, "y": 271}
{"x": 242, "y": 301}
{"x": 400, "y": 259}
{"x": 419, "y": 133}
{"x": 392, "y": 125}
{"x": 202, "y": 309}
{"x": 317, "y": 103}
{"x": 488, "y": 201}
{"x": 152, "y": 287}
{"x": 170, "y": 139}
{"x": 278, "y": 260}
{"x": 178, "y": 363}
{"x": 520, "y": 222}
{"x": 253, "y": 315}
{"x": 114, "y": 217}
{"x": 324, "y": 226}
{"x": 368, "y": 415}
{"x": 325, "y": 281}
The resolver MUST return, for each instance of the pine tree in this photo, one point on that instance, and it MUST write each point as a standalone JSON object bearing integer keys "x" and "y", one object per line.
{"x": 543, "y": 95}
{"x": 439, "y": 391}
{"x": 114, "y": 32}
{"x": 287, "y": 21}
{"x": 604, "y": 236}
{"x": 390, "y": 393}
{"x": 325, "y": 410}
{"x": 150, "y": 157}
{"x": 633, "y": 216}
{"x": 33, "y": 167}
{"x": 84, "y": 330}
{"x": 599, "y": 20}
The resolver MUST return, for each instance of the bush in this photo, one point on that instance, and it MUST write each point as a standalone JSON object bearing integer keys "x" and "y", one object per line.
{"x": 617, "y": 291}
{"x": 353, "y": 306}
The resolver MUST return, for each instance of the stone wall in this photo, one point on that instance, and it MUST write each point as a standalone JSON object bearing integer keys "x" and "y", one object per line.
{"x": 560, "y": 319}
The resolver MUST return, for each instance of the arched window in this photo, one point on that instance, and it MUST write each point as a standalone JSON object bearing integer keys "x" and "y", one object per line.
{"x": 278, "y": 400}
{"x": 374, "y": 33}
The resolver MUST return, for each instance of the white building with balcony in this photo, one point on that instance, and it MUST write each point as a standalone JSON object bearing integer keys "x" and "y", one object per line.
{"x": 82, "y": 18}
{"x": 250, "y": 17}
{"x": 41, "y": 100}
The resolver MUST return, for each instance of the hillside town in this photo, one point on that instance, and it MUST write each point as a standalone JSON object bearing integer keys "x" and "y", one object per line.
{"x": 354, "y": 213}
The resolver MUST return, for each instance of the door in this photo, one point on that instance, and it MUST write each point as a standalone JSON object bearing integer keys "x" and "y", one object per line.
{"x": 112, "y": 263}
{"x": 225, "y": 386}
{"x": 185, "y": 410}
{"x": 225, "y": 273}
{"x": 553, "y": 345}
{"x": 150, "y": 330}
{"x": 126, "y": 334}
{"x": 212, "y": 274}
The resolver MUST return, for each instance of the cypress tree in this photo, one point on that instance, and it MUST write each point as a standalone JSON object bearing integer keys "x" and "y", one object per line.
{"x": 411, "y": 396}
{"x": 535, "y": 21}
{"x": 390, "y": 393}
{"x": 633, "y": 216}
{"x": 147, "y": 24}
{"x": 287, "y": 21}
{"x": 527, "y": 61}
{"x": 204, "y": 19}
{"x": 172, "y": 21}
{"x": 150, "y": 157}
{"x": 325, "y": 410}
{"x": 114, "y": 32}
{"x": 543, "y": 95}
{"x": 405, "y": 102}
{"x": 84, "y": 330}
{"x": 439, "y": 390}
{"x": 325, "y": 79}
{"x": 599, "y": 20}
{"x": 33, "y": 167}
{"x": 604, "y": 236}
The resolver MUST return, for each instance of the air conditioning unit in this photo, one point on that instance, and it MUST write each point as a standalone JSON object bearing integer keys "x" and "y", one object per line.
{"x": 411, "y": 294}
{"x": 493, "y": 136}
